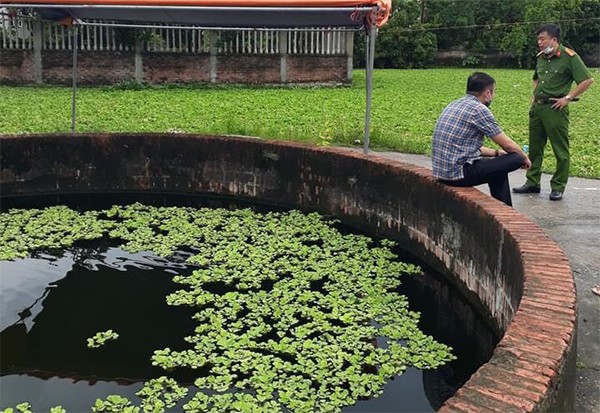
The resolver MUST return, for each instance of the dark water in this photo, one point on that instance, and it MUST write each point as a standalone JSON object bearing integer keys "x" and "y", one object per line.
{"x": 52, "y": 302}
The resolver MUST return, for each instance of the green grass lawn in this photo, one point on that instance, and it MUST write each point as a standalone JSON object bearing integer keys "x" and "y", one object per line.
{"x": 406, "y": 104}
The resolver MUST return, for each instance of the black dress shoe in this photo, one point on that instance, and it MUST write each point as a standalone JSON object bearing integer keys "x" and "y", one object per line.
{"x": 556, "y": 195}
{"x": 526, "y": 189}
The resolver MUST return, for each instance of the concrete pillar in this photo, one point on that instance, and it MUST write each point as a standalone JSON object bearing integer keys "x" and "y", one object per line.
{"x": 349, "y": 55}
{"x": 37, "y": 51}
{"x": 283, "y": 46}
{"x": 139, "y": 61}
{"x": 214, "y": 58}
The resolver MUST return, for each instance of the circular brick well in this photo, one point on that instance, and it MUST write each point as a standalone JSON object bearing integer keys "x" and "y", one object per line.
{"x": 498, "y": 258}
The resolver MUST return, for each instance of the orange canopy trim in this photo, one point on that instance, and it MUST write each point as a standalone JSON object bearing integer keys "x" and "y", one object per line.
{"x": 383, "y": 12}
{"x": 215, "y": 3}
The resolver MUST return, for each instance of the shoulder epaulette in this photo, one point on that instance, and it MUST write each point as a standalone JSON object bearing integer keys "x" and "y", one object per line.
{"x": 570, "y": 52}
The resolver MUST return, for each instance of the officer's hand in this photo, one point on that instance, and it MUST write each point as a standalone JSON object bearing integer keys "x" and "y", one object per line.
{"x": 559, "y": 103}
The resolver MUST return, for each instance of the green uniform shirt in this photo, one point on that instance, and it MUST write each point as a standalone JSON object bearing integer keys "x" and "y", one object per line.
{"x": 555, "y": 74}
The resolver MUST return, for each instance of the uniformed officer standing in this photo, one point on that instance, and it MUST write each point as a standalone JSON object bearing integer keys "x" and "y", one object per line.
{"x": 556, "y": 69}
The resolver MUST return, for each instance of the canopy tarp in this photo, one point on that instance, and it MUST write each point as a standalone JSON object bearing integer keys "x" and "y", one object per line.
{"x": 216, "y": 13}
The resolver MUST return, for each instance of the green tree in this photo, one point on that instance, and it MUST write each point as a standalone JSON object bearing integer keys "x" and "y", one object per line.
{"x": 520, "y": 40}
{"x": 454, "y": 17}
{"x": 418, "y": 28}
{"x": 404, "y": 42}
{"x": 583, "y": 32}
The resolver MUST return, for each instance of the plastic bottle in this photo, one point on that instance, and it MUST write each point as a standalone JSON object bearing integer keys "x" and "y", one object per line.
{"x": 526, "y": 149}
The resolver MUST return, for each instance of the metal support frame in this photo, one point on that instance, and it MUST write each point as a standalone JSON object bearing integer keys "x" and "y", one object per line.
{"x": 74, "y": 95}
{"x": 371, "y": 30}
{"x": 369, "y": 66}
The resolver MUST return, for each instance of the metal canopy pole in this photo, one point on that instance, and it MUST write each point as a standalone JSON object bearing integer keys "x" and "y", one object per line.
{"x": 203, "y": 27}
{"x": 74, "y": 95}
{"x": 369, "y": 63}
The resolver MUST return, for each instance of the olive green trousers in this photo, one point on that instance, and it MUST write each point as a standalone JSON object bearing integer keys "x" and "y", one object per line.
{"x": 547, "y": 123}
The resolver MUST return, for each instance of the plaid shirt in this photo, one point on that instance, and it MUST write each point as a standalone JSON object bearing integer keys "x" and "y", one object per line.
{"x": 458, "y": 136}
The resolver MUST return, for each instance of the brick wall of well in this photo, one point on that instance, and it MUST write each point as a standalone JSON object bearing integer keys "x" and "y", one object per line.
{"x": 499, "y": 259}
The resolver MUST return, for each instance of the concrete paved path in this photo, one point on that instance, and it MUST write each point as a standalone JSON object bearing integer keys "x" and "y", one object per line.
{"x": 573, "y": 223}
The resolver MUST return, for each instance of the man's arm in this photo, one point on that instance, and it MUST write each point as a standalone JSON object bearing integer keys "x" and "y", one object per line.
{"x": 510, "y": 146}
{"x": 489, "y": 152}
{"x": 579, "y": 89}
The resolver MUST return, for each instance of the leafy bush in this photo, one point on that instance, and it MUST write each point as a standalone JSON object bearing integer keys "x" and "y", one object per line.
{"x": 472, "y": 60}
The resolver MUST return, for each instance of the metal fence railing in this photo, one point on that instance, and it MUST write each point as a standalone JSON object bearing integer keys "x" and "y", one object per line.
{"x": 317, "y": 41}
{"x": 16, "y": 32}
{"x": 248, "y": 42}
{"x": 175, "y": 40}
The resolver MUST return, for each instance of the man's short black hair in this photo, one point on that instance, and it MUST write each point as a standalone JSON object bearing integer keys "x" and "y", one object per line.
{"x": 552, "y": 29}
{"x": 478, "y": 82}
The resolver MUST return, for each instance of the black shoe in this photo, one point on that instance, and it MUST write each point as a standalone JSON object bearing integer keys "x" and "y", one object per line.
{"x": 526, "y": 189}
{"x": 556, "y": 195}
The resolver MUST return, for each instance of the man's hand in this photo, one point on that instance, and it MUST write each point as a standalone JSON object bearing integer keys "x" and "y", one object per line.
{"x": 526, "y": 163}
{"x": 559, "y": 103}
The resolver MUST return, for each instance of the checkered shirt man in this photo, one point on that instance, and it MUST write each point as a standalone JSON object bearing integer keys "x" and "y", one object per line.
{"x": 458, "y": 136}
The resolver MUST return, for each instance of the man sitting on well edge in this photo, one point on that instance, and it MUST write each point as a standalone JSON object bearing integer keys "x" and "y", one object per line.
{"x": 458, "y": 157}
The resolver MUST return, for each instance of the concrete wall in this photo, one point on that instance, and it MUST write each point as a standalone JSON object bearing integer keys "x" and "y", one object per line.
{"x": 502, "y": 261}
{"x": 455, "y": 58}
{"x": 110, "y": 67}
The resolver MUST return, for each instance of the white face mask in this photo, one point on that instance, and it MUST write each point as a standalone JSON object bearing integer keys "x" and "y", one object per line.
{"x": 489, "y": 102}
{"x": 548, "y": 50}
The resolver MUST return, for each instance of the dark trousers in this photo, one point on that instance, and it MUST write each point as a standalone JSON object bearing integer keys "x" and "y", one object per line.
{"x": 491, "y": 171}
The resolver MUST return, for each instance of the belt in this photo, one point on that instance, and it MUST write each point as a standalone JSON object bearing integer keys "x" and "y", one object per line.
{"x": 545, "y": 101}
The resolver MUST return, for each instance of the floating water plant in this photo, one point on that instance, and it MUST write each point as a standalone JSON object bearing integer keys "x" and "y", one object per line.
{"x": 291, "y": 314}
{"x": 25, "y": 407}
{"x": 161, "y": 393}
{"x": 100, "y": 338}
{"x": 115, "y": 404}
{"x": 25, "y": 230}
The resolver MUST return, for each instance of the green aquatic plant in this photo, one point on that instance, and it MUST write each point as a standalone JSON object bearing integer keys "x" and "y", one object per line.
{"x": 25, "y": 407}
{"x": 308, "y": 114}
{"x": 158, "y": 394}
{"x": 100, "y": 338}
{"x": 114, "y": 404}
{"x": 291, "y": 314}
{"x": 25, "y": 230}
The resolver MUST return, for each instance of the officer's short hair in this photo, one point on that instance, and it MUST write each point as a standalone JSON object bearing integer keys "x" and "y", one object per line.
{"x": 478, "y": 82}
{"x": 552, "y": 29}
